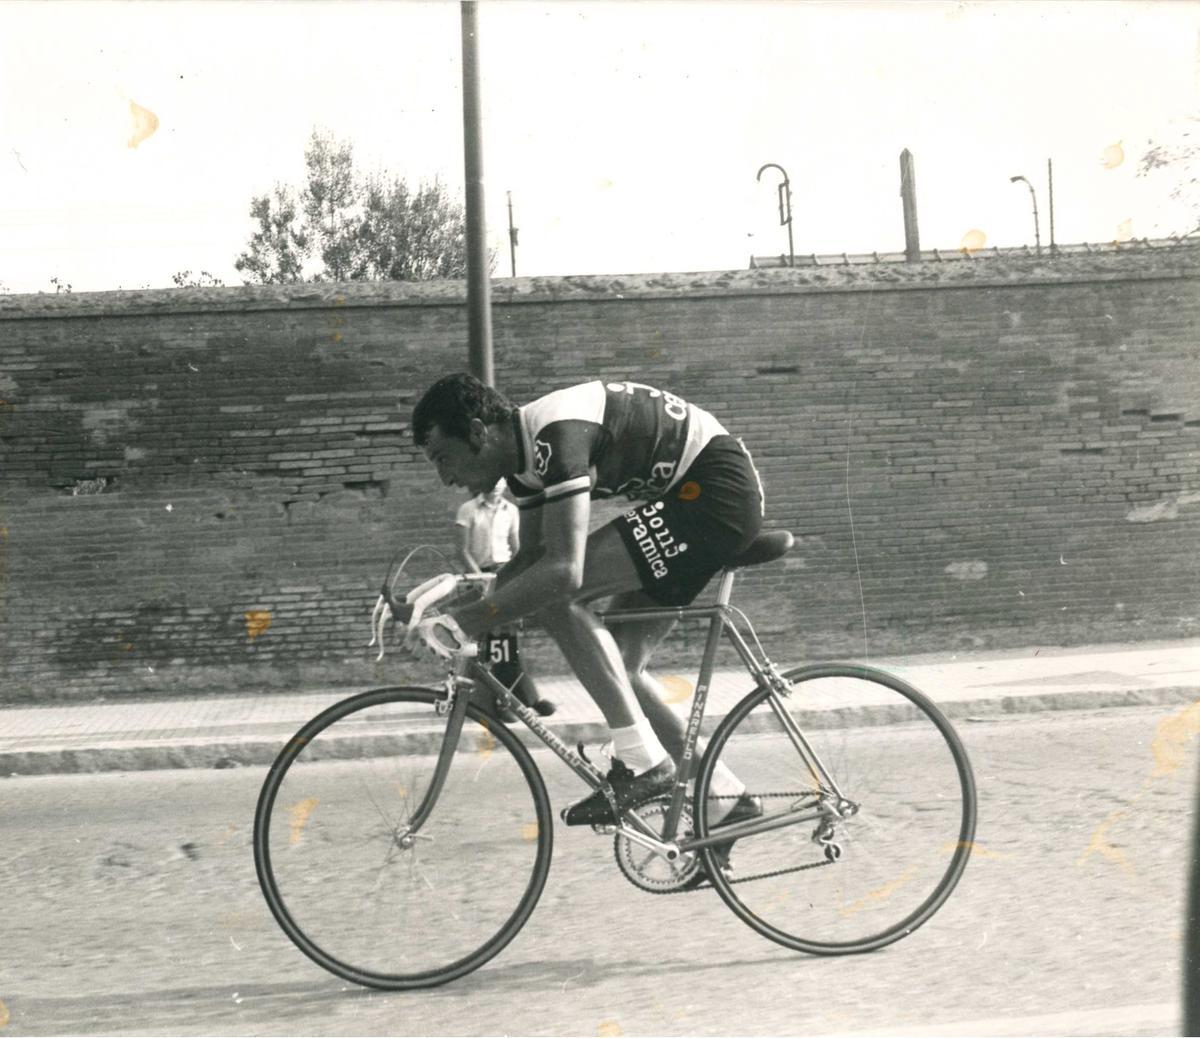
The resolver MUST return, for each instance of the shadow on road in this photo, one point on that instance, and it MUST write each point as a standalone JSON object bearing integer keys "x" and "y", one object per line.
{"x": 568, "y": 973}
{"x": 132, "y": 1011}
{"x": 116, "y": 1012}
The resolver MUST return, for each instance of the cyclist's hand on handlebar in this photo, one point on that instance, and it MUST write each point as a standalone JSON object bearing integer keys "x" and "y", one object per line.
{"x": 411, "y": 609}
{"x": 387, "y": 609}
{"x": 439, "y": 638}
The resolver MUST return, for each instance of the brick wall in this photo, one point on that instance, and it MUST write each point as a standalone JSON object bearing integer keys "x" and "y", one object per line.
{"x": 201, "y": 487}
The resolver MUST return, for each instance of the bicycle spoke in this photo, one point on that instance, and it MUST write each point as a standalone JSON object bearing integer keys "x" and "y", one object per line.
{"x": 382, "y": 814}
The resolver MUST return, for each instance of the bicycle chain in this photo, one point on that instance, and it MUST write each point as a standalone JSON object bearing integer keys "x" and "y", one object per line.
{"x": 757, "y": 875}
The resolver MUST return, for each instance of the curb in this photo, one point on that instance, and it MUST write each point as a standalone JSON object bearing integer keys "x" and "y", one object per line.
{"x": 261, "y": 751}
{"x": 255, "y": 752}
{"x": 1099, "y": 699}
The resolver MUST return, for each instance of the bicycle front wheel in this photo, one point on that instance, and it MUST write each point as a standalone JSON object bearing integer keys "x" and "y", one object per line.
{"x": 875, "y": 802}
{"x": 367, "y": 898}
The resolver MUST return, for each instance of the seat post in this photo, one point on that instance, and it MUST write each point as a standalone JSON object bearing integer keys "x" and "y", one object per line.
{"x": 725, "y": 588}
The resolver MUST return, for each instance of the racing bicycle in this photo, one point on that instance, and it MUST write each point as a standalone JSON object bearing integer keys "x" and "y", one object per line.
{"x": 403, "y": 837}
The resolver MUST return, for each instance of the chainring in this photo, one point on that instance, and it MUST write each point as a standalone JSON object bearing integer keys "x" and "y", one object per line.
{"x": 647, "y": 869}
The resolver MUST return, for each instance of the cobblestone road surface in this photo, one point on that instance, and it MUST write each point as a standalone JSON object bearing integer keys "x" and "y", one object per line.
{"x": 130, "y": 906}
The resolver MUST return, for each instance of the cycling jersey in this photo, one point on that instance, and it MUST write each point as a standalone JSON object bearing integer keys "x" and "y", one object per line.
{"x": 606, "y": 438}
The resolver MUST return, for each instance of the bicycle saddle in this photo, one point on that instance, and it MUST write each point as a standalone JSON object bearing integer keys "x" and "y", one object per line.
{"x": 766, "y": 547}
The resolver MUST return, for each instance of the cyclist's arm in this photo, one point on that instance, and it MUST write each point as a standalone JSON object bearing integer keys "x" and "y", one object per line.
{"x": 527, "y": 549}
{"x": 548, "y": 566}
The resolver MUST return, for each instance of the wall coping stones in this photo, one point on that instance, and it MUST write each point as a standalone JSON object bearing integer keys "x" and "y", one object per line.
{"x": 1138, "y": 261}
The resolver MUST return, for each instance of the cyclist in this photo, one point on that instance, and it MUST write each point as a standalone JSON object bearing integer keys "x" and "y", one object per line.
{"x": 703, "y": 505}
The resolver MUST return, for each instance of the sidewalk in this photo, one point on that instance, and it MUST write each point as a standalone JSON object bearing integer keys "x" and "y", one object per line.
{"x": 244, "y": 730}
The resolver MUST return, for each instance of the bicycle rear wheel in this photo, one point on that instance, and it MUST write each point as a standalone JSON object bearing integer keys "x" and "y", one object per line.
{"x": 900, "y": 782}
{"x": 342, "y": 876}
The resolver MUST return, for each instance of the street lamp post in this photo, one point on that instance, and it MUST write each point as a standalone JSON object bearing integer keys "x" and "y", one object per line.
{"x": 785, "y": 205}
{"x": 1037, "y": 232}
{"x": 479, "y": 306}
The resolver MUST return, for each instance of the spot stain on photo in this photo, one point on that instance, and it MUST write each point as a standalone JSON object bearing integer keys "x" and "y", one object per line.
{"x": 145, "y": 123}
{"x": 257, "y": 622}
{"x": 679, "y": 690}
{"x": 298, "y": 816}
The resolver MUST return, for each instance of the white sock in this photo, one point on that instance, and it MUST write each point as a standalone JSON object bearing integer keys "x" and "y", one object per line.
{"x": 638, "y": 747}
{"x": 726, "y": 785}
{"x": 724, "y": 782}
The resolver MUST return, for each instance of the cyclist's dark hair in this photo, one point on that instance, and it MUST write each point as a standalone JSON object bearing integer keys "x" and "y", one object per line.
{"x": 452, "y": 401}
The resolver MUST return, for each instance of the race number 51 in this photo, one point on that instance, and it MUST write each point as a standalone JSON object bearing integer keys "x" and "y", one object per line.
{"x": 501, "y": 649}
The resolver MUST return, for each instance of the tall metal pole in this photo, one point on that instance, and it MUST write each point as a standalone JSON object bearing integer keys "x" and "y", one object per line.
{"x": 908, "y": 199}
{"x": 512, "y": 238}
{"x": 1050, "y": 182}
{"x": 479, "y": 309}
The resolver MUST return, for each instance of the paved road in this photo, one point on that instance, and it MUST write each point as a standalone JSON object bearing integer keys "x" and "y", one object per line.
{"x": 130, "y": 906}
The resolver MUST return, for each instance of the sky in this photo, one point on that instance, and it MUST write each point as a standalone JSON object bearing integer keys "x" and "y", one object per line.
{"x": 629, "y": 133}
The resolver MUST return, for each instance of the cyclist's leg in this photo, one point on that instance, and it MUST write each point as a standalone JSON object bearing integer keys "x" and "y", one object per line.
{"x": 646, "y": 769}
{"x": 663, "y": 552}
{"x": 668, "y": 549}
{"x": 587, "y": 645}
{"x": 637, "y": 643}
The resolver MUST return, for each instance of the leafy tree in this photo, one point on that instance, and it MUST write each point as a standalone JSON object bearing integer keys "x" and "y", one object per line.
{"x": 343, "y": 225}
{"x": 410, "y": 236}
{"x": 330, "y": 201}
{"x": 1177, "y": 156}
{"x": 202, "y": 279}
{"x": 279, "y": 247}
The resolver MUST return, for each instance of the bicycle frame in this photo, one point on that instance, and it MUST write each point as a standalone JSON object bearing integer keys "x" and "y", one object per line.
{"x": 719, "y": 616}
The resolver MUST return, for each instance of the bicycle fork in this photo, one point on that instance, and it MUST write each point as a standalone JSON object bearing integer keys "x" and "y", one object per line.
{"x": 454, "y": 706}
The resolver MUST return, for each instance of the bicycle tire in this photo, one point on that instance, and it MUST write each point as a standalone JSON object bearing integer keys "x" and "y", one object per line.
{"x": 412, "y": 920}
{"x": 890, "y": 750}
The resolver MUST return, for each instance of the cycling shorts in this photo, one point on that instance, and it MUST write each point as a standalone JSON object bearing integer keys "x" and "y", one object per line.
{"x": 680, "y": 540}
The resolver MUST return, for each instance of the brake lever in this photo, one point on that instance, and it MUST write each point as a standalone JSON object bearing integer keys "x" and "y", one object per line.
{"x": 387, "y": 608}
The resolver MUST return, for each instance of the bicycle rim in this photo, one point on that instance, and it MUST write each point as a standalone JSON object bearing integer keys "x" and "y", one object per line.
{"x": 830, "y": 885}
{"x": 346, "y": 886}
